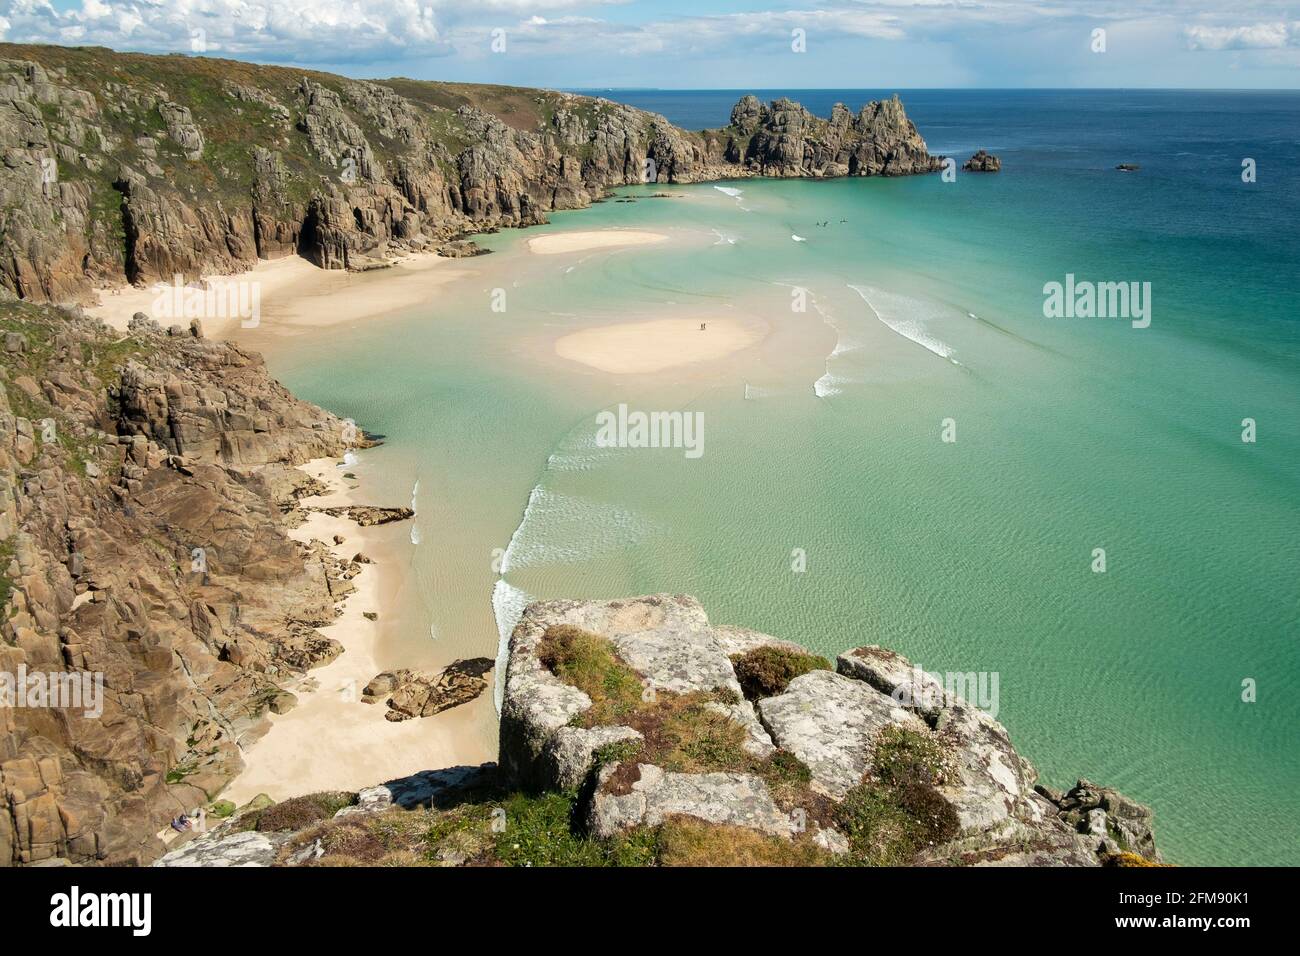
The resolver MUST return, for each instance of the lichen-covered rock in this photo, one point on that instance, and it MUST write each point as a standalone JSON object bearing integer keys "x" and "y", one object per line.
{"x": 227, "y": 849}
{"x": 570, "y": 754}
{"x": 1120, "y": 824}
{"x": 726, "y": 798}
{"x": 994, "y": 781}
{"x": 665, "y": 638}
{"x": 831, "y": 723}
{"x": 844, "y": 729}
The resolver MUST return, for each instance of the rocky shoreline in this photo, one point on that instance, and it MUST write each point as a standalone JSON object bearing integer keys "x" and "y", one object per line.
{"x": 126, "y": 168}
{"x": 147, "y": 490}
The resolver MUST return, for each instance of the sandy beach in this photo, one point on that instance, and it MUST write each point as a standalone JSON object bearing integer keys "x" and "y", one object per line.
{"x": 631, "y": 348}
{"x": 331, "y": 740}
{"x": 557, "y": 243}
{"x": 284, "y": 296}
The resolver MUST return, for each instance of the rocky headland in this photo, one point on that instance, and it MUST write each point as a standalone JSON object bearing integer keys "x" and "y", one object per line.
{"x": 636, "y": 733}
{"x": 132, "y": 168}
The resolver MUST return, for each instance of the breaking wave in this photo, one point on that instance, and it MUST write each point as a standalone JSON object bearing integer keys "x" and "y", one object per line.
{"x": 910, "y": 327}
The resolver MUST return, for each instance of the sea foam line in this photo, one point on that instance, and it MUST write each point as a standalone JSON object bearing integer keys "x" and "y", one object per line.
{"x": 913, "y": 331}
{"x": 508, "y": 603}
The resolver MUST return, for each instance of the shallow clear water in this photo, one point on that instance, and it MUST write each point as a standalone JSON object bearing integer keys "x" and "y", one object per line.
{"x": 924, "y": 304}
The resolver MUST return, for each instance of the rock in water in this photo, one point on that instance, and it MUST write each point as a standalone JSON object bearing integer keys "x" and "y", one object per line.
{"x": 982, "y": 162}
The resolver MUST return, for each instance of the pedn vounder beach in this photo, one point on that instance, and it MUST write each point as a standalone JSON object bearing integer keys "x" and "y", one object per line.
{"x": 429, "y": 473}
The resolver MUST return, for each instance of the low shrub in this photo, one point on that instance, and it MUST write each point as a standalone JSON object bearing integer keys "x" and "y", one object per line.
{"x": 767, "y": 670}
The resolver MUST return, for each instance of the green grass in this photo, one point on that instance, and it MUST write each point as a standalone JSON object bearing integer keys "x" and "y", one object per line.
{"x": 893, "y": 815}
{"x": 535, "y": 830}
{"x": 588, "y": 662}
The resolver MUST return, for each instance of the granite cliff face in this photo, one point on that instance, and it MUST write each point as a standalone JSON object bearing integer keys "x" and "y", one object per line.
{"x": 125, "y": 167}
{"x": 784, "y": 139}
{"x": 636, "y": 733}
{"x": 145, "y": 492}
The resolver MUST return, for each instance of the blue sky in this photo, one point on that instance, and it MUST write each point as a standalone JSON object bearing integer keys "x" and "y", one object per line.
{"x": 728, "y": 44}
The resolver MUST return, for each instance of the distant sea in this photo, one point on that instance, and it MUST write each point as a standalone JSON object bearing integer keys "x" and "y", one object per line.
{"x": 1171, "y": 674}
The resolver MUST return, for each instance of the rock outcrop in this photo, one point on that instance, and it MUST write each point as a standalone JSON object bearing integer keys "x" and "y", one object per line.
{"x": 146, "y": 488}
{"x": 982, "y": 162}
{"x": 611, "y": 762}
{"x": 125, "y": 167}
{"x": 414, "y": 694}
{"x": 875, "y": 732}
{"x": 784, "y": 139}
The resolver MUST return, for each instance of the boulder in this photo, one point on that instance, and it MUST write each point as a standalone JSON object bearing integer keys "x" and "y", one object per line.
{"x": 831, "y": 723}
{"x": 726, "y": 798}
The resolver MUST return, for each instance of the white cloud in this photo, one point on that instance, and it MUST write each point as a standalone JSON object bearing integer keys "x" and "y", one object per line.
{"x": 371, "y": 31}
{"x": 304, "y": 30}
{"x": 1260, "y": 36}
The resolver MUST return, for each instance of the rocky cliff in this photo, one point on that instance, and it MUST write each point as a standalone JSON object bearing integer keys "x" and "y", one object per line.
{"x": 125, "y": 167}
{"x": 146, "y": 489}
{"x": 637, "y": 733}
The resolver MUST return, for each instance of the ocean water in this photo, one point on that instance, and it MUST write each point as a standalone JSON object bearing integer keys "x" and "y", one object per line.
{"x": 913, "y": 307}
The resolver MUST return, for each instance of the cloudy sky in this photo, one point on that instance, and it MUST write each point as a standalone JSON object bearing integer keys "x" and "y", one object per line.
{"x": 711, "y": 43}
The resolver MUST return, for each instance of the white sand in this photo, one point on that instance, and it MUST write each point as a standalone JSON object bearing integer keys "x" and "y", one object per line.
{"x": 556, "y": 243}
{"x": 291, "y": 294}
{"x": 637, "y": 347}
{"x": 331, "y": 740}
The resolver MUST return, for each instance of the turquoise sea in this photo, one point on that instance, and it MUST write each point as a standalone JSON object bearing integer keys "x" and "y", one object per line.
{"x": 924, "y": 306}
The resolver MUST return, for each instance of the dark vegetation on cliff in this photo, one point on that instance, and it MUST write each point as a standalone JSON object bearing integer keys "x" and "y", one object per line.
{"x": 127, "y": 167}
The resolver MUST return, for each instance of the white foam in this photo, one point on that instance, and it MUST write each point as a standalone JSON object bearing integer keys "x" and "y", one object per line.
{"x": 508, "y": 603}
{"x": 415, "y": 534}
{"x": 797, "y": 238}
{"x": 560, "y": 528}
{"x": 724, "y": 239}
{"x": 349, "y": 459}
{"x": 910, "y": 327}
{"x": 826, "y": 386}
{"x": 731, "y": 191}
{"x": 514, "y": 538}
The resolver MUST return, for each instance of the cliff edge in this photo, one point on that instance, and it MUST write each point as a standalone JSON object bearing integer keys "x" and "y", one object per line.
{"x": 636, "y": 733}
